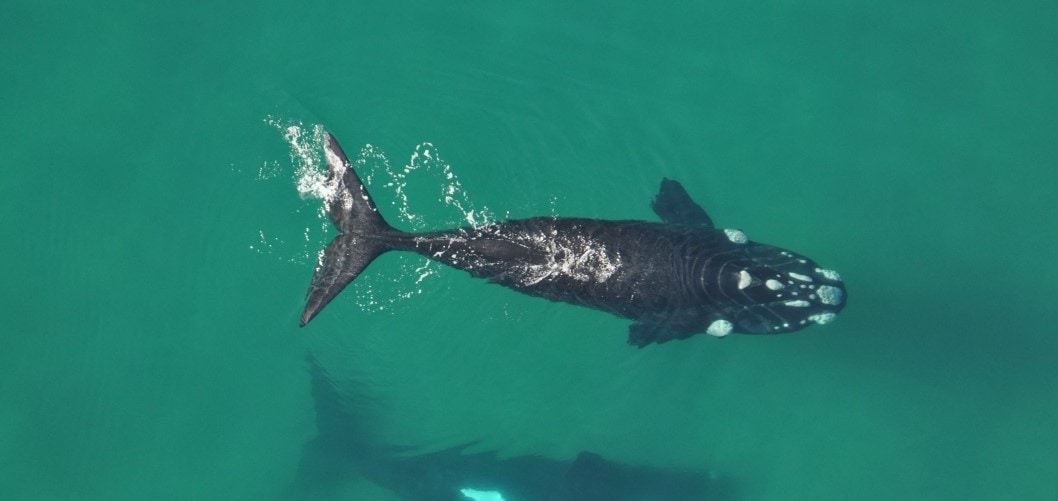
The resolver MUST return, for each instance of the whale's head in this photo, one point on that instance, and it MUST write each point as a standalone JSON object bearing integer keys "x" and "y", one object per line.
{"x": 768, "y": 290}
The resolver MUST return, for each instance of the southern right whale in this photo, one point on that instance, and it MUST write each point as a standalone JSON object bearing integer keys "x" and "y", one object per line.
{"x": 673, "y": 279}
{"x": 347, "y": 446}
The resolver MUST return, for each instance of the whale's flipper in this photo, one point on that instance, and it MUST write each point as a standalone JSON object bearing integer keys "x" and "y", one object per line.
{"x": 362, "y": 233}
{"x": 654, "y": 329}
{"x": 674, "y": 205}
{"x": 644, "y": 332}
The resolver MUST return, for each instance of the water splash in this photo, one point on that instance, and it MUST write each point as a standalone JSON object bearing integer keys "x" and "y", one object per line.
{"x": 429, "y": 169}
{"x": 424, "y": 170}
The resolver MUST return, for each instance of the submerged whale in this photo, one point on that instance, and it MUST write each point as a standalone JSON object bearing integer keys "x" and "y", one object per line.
{"x": 347, "y": 446}
{"x": 673, "y": 279}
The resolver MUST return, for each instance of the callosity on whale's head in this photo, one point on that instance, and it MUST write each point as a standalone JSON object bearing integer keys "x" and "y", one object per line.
{"x": 770, "y": 290}
{"x": 737, "y": 285}
{"x": 744, "y": 286}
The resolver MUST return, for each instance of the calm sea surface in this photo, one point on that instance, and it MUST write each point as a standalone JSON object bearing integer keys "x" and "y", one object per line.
{"x": 156, "y": 247}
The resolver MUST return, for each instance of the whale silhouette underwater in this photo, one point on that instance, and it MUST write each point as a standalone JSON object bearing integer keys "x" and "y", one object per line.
{"x": 347, "y": 446}
{"x": 673, "y": 279}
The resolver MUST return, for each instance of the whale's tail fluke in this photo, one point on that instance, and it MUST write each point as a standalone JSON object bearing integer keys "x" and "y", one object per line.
{"x": 363, "y": 234}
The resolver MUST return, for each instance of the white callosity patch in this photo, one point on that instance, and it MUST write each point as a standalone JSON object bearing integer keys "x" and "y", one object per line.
{"x": 720, "y": 328}
{"x": 798, "y": 303}
{"x": 798, "y": 276}
{"x": 736, "y": 236}
{"x": 477, "y": 495}
{"x": 822, "y": 318}
{"x": 774, "y": 285}
{"x": 571, "y": 256}
{"x": 830, "y": 295}
{"x": 744, "y": 279}
{"x": 829, "y": 274}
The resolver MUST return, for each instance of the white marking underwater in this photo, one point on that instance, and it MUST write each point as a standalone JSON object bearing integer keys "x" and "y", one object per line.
{"x": 477, "y": 495}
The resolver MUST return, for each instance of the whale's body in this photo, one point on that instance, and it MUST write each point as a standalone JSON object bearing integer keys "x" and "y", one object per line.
{"x": 675, "y": 278}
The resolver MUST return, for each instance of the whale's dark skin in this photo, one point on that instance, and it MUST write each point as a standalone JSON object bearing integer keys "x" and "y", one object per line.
{"x": 675, "y": 278}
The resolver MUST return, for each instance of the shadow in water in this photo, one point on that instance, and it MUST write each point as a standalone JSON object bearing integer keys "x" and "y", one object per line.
{"x": 345, "y": 450}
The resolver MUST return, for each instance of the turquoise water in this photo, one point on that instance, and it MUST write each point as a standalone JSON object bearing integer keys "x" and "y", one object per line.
{"x": 156, "y": 248}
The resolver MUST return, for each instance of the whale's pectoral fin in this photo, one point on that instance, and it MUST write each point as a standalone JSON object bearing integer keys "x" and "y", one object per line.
{"x": 654, "y": 329}
{"x": 674, "y": 205}
{"x": 641, "y": 333}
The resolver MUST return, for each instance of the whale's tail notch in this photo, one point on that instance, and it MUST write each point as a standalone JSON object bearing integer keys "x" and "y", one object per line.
{"x": 363, "y": 234}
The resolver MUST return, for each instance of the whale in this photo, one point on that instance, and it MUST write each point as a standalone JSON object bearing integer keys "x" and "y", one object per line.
{"x": 672, "y": 278}
{"x": 347, "y": 447}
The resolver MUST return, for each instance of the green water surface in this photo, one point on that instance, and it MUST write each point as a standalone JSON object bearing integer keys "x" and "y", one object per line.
{"x": 155, "y": 250}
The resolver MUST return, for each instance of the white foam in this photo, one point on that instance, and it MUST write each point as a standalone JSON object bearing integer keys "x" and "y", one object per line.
{"x": 423, "y": 271}
{"x": 269, "y": 170}
{"x": 429, "y": 170}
